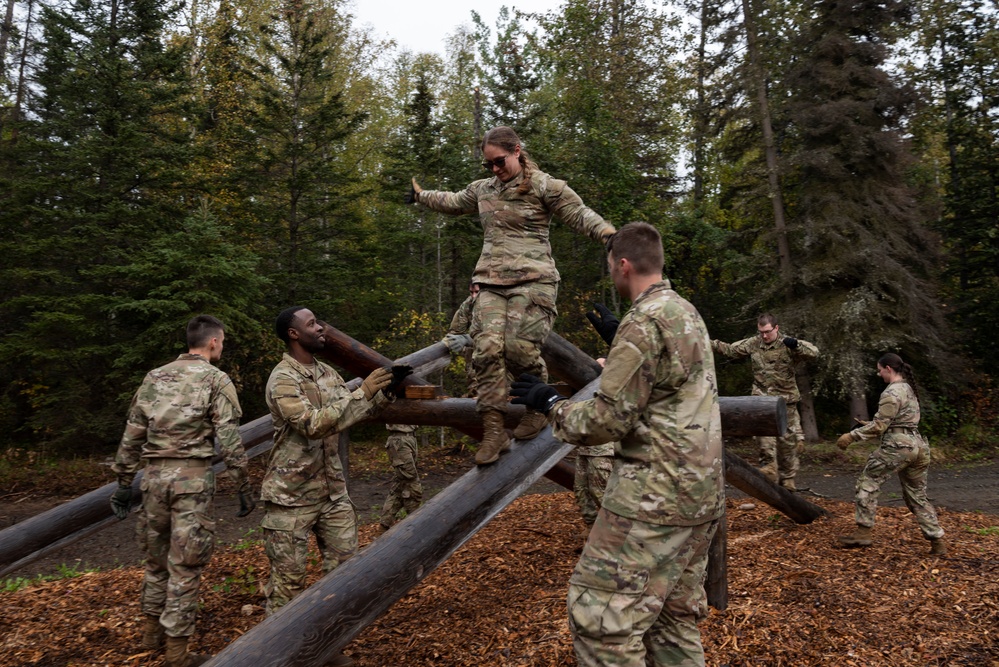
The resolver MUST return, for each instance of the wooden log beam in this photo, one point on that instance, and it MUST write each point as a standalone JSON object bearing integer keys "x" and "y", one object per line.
{"x": 752, "y": 482}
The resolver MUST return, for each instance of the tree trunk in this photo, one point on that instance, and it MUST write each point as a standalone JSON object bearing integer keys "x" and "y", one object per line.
{"x": 806, "y": 407}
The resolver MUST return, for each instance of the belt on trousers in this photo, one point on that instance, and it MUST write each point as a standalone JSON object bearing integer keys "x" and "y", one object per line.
{"x": 180, "y": 463}
{"x": 903, "y": 429}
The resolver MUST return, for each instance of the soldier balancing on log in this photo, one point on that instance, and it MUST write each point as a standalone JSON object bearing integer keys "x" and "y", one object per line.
{"x": 516, "y": 307}
{"x": 774, "y": 357}
{"x": 172, "y": 422}
{"x": 304, "y": 490}
{"x": 637, "y": 592}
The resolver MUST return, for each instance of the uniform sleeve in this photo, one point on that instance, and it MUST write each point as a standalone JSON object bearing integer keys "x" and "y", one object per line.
{"x": 343, "y": 410}
{"x": 625, "y": 387}
{"x": 805, "y": 350}
{"x": 462, "y": 320}
{"x": 888, "y": 408}
{"x": 225, "y": 417}
{"x": 452, "y": 203}
{"x": 567, "y": 206}
{"x": 737, "y": 350}
{"x": 129, "y": 456}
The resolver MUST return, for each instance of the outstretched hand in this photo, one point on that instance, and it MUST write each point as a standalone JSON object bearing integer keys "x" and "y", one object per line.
{"x": 604, "y": 321}
{"x": 413, "y": 196}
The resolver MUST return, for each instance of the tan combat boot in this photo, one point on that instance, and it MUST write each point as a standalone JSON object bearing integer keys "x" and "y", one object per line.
{"x": 178, "y": 656}
{"x": 152, "y": 633}
{"x": 770, "y": 472}
{"x": 938, "y": 547}
{"x": 861, "y": 537}
{"x": 788, "y": 484}
{"x": 495, "y": 439}
{"x": 529, "y": 427}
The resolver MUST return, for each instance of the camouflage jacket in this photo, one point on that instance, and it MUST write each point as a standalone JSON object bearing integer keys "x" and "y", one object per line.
{"x": 658, "y": 396}
{"x": 461, "y": 323}
{"x": 898, "y": 408}
{"x": 515, "y": 247}
{"x": 773, "y": 364}
{"x": 309, "y": 407}
{"x": 176, "y": 413}
{"x": 401, "y": 428}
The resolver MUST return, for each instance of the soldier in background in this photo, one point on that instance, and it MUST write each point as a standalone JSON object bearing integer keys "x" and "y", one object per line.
{"x": 407, "y": 492}
{"x": 774, "y": 357}
{"x": 516, "y": 308}
{"x": 637, "y": 592}
{"x": 174, "y": 418}
{"x": 304, "y": 490}
{"x": 461, "y": 332}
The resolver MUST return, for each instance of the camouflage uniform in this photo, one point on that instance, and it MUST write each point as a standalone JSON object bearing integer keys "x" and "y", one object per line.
{"x": 407, "y": 492}
{"x": 593, "y": 469}
{"x": 304, "y": 487}
{"x": 173, "y": 418}
{"x": 516, "y": 271}
{"x": 904, "y": 451}
{"x": 463, "y": 323}
{"x": 638, "y": 589}
{"x": 773, "y": 375}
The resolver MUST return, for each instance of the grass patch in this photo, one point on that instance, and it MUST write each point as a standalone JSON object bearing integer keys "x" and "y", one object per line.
{"x": 991, "y": 530}
{"x": 64, "y": 571}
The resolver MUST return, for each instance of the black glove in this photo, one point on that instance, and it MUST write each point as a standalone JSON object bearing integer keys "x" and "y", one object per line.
{"x": 791, "y": 343}
{"x": 410, "y": 197}
{"x": 246, "y": 502}
{"x": 121, "y": 501}
{"x": 399, "y": 373}
{"x": 534, "y": 393}
{"x": 604, "y": 322}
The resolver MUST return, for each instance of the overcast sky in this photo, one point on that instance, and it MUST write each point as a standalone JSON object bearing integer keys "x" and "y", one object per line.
{"x": 422, "y": 25}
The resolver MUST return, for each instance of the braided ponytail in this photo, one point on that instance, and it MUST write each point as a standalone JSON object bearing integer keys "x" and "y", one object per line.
{"x": 894, "y": 362}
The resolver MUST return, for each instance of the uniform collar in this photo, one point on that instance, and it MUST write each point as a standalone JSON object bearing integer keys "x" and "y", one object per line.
{"x": 660, "y": 286}
{"x": 314, "y": 372}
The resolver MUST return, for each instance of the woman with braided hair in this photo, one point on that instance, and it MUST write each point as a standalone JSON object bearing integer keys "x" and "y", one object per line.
{"x": 515, "y": 308}
{"x": 903, "y": 450}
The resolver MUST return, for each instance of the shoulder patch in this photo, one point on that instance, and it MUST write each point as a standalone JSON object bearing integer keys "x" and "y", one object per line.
{"x": 621, "y": 368}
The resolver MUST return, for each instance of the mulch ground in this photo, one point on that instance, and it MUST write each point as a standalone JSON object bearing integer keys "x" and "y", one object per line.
{"x": 794, "y": 598}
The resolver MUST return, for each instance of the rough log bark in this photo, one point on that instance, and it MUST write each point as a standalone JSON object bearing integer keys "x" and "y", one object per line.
{"x": 716, "y": 584}
{"x": 320, "y": 621}
{"x": 751, "y": 481}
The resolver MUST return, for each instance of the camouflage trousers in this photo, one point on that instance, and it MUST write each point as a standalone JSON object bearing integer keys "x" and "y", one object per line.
{"x": 779, "y": 455}
{"x": 176, "y": 531}
{"x": 911, "y": 464}
{"x": 514, "y": 322}
{"x": 637, "y": 593}
{"x": 407, "y": 492}
{"x": 286, "y": 543}
{"x": 589, "y": 482}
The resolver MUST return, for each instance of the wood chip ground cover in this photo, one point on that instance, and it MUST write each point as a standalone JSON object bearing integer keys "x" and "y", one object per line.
{"x": 794, "y": 598}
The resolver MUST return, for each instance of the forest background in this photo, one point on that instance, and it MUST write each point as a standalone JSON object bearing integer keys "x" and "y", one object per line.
{"x": 835, "y": 163}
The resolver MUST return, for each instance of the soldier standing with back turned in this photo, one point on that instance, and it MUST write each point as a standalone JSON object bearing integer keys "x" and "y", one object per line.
{"x": 174, "y": 416}
{"x": 774, "y": 357}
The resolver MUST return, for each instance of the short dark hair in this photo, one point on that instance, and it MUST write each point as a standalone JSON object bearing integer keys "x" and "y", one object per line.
{"x": 641, "y": 244}
{"x": 283, "y": 322}
{"x": 765, "y": 319}
{"x": 201, "y": 329}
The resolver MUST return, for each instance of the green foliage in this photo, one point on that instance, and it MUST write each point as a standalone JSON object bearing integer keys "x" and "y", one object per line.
{"x": 63, "y": 571}
{"x": 991, "y": 530}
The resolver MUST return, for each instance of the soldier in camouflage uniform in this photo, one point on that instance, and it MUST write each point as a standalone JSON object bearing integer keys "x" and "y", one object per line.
{"x": 774, "y": 357}
{"x": 902, "y": 450}
{"x": 516, "y": 308}
{"x": 172, "y": 422}
{"x": 637, "y": 591}
{"x": 304, "y": 487}
{"x": 462, "y": 331}
{"x": 407, "y": 492}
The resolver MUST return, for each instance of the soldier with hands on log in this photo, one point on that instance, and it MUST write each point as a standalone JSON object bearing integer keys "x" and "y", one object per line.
{"x": 172, "y": 422}
{"x": 637, "y": 592}
{"x": 462, "y": 331}
{"x": 516, "y": 307}
{"x": 774, "y": 357}
{"x": 902, "y": 450}
{"x": 304, "y": 490}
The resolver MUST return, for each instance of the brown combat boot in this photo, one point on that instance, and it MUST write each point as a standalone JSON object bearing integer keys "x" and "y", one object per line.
{"x": 788, "y": 484}
{"x": 861, "y": 537}
{"x": 770, "y": 472}
{"x": 152, "y": 633}
{"x": 178, "y": 656}
{"x": 938, "y": 547}
{"x": 495, "y": 439}
{"x": 530, "y": 426}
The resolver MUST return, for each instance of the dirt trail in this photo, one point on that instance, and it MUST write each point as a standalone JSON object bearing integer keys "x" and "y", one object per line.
{"x": 955, "y": 488}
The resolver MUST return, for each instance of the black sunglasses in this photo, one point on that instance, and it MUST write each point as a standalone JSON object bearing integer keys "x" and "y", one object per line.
{"x": 498, "y": 163}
